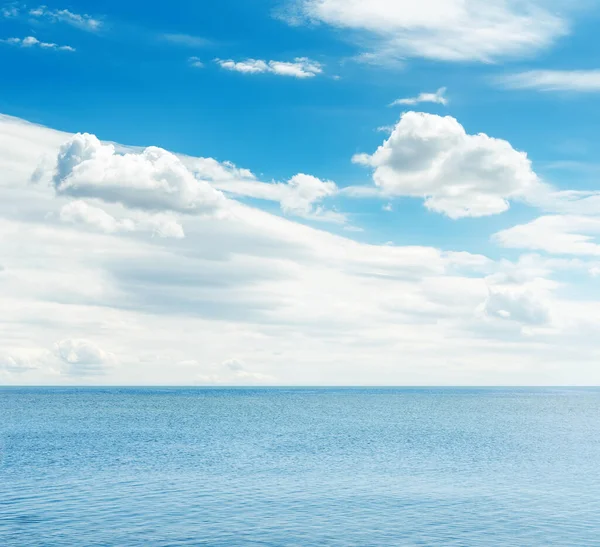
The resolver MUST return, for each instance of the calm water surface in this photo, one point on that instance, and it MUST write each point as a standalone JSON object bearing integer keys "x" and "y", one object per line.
{"x": 270, "y": 467}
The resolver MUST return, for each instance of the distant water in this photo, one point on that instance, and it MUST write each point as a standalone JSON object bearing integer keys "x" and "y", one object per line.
{"x": 271, "y": 467}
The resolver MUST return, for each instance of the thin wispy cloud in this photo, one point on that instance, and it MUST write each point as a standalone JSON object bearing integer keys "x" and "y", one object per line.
{"x": 32, "y": 41}
{"x": 195, "y": 62}
{"x": 583, "y": 81}
{"x": 10, "y": 11}
{"x": 301, "y": 67}
{"x": 186, "y": 40}
{"x": 438, "y": 98}
{"x": 445, "y": 30}
{"x": 82, "y": 21}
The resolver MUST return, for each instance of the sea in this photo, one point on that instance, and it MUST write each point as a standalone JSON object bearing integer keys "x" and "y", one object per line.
{"x": 299, "y": 467}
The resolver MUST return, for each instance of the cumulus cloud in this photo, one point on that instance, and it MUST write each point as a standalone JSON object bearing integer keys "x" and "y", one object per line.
{"x": 458, "y": 174}
{"x": 83, "y": 358}
{"x": 153, "y": 179}
{"x": 32, "y": 41}
{"x": 581, "y": 81}
{"x": 438, "y": 98}
{"x": 82, "y": 21}
{"x": 447, "y": 30}
{"x": 558, "y": 234}
{"x": 301, "y": 67}
{"x": 300, "y": 196}
{"x": 80, "y": 212}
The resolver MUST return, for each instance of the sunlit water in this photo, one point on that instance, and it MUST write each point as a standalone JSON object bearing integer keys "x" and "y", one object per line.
{"x": 357, "y": 467}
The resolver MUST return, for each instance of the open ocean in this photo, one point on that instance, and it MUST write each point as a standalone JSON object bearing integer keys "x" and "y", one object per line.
{"x": 270, "y": 467}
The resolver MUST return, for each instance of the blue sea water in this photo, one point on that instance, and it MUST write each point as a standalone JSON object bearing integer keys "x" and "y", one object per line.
{"x": 279, "y": 467}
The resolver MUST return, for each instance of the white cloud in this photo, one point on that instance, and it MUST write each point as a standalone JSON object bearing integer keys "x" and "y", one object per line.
{"x": 294, "y": 303}
{"x": 457, "y": 174}
{"x": 233, "y": 372}
{"x": 438, "y": 98}
{"x": 448, "y": 30}
{"x": 558, "y": 234}
{"x": 187, "y": 40}
{"x": 196, "y": 62}
{"x": 524, "y": 303}
{"x": 82, "y": 21}
{"x": 301, "y": 67}
{"x": 583, "y": 81}
{"x": 80, "y": 212}
{"x": 83, "y": 358}
{"x": 31, "y": 41}
{"x": 10, "y": 11}
{"x": 153, "y": 179}
{"x": 299, "y": 196}
{"x": 15, "y": 363}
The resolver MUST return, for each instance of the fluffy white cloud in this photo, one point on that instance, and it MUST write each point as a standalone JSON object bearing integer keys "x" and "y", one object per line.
{"x": 524, "y": 303}
{"x": 457, "y": 174}
{"x": 83, "y": 358}
{"x": 82, "y": 21}
{"x": 301, "y": 67}
{"x": 449, "y": 30}
{"x": 299, "y": 196}
{"x": 153, "y": 179}
{"x": 439, "y": 97}
{"x": 559, "y": 234}
{"x": 32, "y": 41}
{"x": 553, "y": 80}
{"x": 80, "y": 212}
{"x": 304, "y": 191}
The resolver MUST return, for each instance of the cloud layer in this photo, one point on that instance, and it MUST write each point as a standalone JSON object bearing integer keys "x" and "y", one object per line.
{"x": 251, "y": 297}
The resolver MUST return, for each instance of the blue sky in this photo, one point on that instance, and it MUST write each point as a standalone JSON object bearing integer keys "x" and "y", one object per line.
{"x": 500, "y": 165}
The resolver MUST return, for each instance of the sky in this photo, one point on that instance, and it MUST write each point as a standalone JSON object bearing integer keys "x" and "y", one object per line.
{"x": 300, "y": 192}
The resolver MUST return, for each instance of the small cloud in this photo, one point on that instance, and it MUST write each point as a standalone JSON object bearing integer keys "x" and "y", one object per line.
{"x": 10, "y": 11}
{"x": 186, "y": 40}
{"x": 195, "y": 62}
{"x": 385, "y": 129}
{"x": 438, "y": 97}
{"x": 234, "y": 365}
{"x": 388, "y": 207}
{"x": 301, "y": 67}
{"x": 82, "y": 21}
{"x": 32, "y": 41}
{"x": 83, "y": 358}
